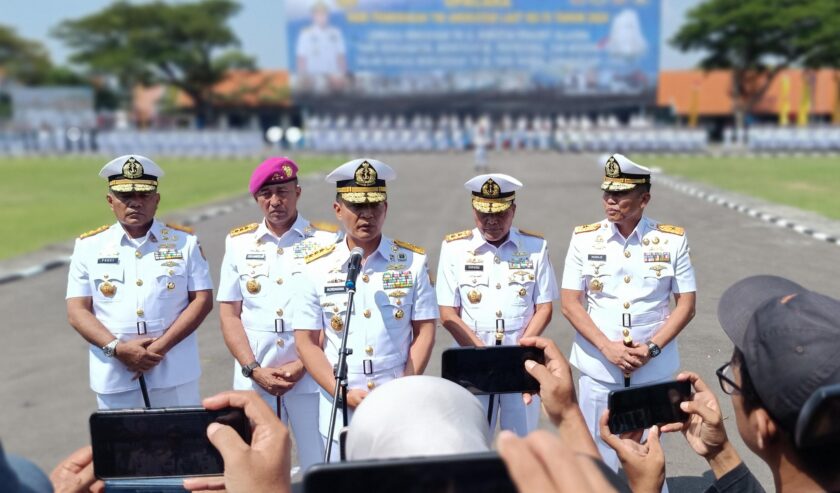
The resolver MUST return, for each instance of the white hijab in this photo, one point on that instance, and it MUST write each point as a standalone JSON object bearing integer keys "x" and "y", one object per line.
{"x": 417, "y": 416}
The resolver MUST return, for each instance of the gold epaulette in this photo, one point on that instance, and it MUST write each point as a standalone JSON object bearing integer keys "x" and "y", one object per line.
{"x": 94, "y": 232}
{"x": 185, "y": 229}
{"x": 586, "y": 228}
{"x": 241, "y": 230}
{"x": 531, "y": 233}
{"x": 319, "y": 253}
{"x": 460, "y": 235}
{"x": 670, "y": 228}
{"x": 324, "y": 226}
{"x": 409, "y": 246}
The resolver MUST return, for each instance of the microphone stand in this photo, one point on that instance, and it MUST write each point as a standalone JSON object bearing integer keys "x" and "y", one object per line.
{"x": 500, "y": 334}
{"x": 340, "y": 372}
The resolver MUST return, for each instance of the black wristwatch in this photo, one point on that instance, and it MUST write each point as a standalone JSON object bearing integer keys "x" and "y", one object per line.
{"x": 653, "y": 349}
{"x": 248, "y": 369}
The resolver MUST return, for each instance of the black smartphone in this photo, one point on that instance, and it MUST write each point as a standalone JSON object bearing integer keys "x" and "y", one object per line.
{"x": 156, "y": 443}
{"x": 466, "y": 473}
{"x": 641, "y": 407}
{"x": 492, "y": 369}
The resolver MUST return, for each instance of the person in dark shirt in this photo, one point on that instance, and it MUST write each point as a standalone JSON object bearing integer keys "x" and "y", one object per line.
{"x": 787, "y": 342}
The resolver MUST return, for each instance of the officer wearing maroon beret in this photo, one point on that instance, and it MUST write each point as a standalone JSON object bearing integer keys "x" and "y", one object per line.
{"x": 260, "y": 260}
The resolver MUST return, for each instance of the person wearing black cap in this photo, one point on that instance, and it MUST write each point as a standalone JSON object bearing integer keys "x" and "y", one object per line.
{"x": 619, "y": 279}
{"x": 787, "y": 342}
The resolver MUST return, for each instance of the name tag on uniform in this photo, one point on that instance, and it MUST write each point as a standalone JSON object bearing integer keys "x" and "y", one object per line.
{"x": 597, "y": 257}
{"x": 108, "y": 260}
{"x": 255, "y": 256}
{"x": 474, "y": 267}
{"x": 335, "y": 289}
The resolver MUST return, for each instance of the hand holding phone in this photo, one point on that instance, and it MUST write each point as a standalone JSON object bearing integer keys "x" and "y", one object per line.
{"x": 641, "y": 407}
{"x": 159, "y": 443}
{"x": 493, "y": 369}
{"x": 262, "y": 466}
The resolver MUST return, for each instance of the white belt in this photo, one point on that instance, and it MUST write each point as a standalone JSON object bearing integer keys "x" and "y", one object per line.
{"x": 279, "y": 326}
{"x": 141, "y": 327}
{"x": 372, "y": 365}
{"x": 618, "y": 318}
{"x": 513, "y": 324}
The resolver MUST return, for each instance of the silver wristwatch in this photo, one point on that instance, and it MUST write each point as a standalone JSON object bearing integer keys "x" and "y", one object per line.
{"x": 110, "y": 349}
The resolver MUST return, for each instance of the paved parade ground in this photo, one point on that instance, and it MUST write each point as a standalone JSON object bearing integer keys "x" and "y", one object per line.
{"x": 44, "y": 390}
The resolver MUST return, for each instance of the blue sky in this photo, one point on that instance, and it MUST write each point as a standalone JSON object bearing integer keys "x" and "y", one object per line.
{"x": 260, "y": 26}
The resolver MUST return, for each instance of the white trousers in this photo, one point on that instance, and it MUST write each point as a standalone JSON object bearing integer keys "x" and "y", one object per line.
{"x": 512, "y": 413}
{"x": 592, "y": 398}
{"x": 299, "y": 411}
{"x": 180, "y": 395}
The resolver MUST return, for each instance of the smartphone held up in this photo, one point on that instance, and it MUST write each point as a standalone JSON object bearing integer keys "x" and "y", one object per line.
{"x": 641, "y": 407}
{"x": 493, "y": 369}
{"x": 159, "y": 443}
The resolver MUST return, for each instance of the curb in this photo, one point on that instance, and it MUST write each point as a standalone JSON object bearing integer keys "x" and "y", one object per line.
{"x": 781, "y": 222}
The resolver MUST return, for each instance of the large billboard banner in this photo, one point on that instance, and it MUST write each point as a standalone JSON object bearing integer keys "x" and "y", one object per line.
{"x": 404, "y": 47}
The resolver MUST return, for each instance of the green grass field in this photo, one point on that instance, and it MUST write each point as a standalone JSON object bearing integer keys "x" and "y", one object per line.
{"x": 810, "y": 183}
{"x": 47, "y": 200}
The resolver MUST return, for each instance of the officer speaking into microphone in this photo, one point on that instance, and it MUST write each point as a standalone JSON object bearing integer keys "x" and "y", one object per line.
{"x": 392, "y": 318}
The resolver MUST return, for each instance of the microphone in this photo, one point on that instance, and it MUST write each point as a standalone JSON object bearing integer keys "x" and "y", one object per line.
{"x": 354, "y": 267}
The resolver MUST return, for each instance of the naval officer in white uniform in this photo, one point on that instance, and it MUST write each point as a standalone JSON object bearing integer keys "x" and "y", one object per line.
{"x": 136, "y": 291}
{"x": 392, "y": 323}
{"x": 255, "y": 301}
{"x": 618, "y": 281}
{"x": 495, "y": 284}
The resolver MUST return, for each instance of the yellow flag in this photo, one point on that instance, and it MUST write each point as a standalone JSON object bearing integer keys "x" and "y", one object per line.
{"x": 784, "y": 101}
{"x": 804, "y": 104}
{"x": 835, "y": 115}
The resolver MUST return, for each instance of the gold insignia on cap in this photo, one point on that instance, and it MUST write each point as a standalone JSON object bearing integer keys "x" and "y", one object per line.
{"x": 491, "y": 189}
{"x": 366, "y": 175}
{"x": 287, "y": 170}
{"x": 132, "y": 169}
{"x": 613, "y": 169}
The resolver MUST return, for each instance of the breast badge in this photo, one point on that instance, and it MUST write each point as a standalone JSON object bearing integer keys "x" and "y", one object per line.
{"x": 399, "y": 314}
{"x": 596, "y": 285}
{"x": 107, "y": 289}
{"x": 253, "y": 286}
{"x": 336, "y": 323}
{"x": 474, "y": 296}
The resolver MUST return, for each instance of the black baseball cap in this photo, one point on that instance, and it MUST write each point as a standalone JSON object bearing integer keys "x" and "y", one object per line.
{"x": 790, "y": 339}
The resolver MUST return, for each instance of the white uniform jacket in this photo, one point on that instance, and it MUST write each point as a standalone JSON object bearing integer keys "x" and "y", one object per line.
{"x": 490, "y": 284}
{"x": 139, "y": 287}
{"x": 627, "y": 283}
